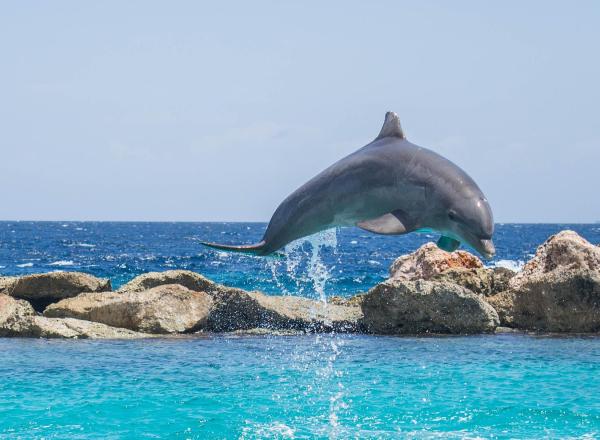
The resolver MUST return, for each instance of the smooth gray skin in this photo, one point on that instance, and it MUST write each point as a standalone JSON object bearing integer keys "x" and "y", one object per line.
{"x": 422, "y": 190}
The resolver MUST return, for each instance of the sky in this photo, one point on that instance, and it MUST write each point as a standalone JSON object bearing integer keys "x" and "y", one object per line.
{"x": 216, "y": 111}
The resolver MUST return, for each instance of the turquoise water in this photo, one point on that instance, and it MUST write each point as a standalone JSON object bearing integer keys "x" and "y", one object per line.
{"x": 251, "y": 387}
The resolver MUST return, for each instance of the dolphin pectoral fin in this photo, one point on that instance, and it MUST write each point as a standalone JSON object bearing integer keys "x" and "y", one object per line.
{"x": 448, "y": 244}
{"x": 387, "y": 224}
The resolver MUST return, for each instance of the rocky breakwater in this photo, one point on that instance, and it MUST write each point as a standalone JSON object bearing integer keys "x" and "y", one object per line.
{"x": 162, "y": 303}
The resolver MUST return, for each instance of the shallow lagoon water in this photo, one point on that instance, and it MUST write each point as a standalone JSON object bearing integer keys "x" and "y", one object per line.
{"x": 255, "y": 387}
{"x": 332, "y": 386}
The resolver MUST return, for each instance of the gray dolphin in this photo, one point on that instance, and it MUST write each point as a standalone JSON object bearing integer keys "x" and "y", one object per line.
{"x": 389, "y": 186}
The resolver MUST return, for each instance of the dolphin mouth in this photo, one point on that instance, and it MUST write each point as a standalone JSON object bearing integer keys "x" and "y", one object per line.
{"x": 486, "y": 248}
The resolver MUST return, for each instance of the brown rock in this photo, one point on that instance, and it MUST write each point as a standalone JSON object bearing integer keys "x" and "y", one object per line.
{"x": 15, "y": 316}
{"x": 483, "y": 281}
{"x": 186, "y": 278}
{"x": 429, "y": 260}
{"x": 415, "y": 307}
{"x": 566, "y": 251}
{"x": 169, "y": 308}
{"x": 46, "y": 288}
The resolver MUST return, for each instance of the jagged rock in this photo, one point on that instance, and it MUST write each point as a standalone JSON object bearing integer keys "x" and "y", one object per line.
{"x": 169, "y": 308}
{"x": 558, "y": 289}
{"x": 429, "y": 260}
{"x": 564, "y": 300}
{"x": 42, "y": 327}
{"x": 15, "y": 316}
{"x": 355, "y": 300}
{"x": 6, "y": 283}
{"x": 415, "y": 307}
{"x": 236, "y": 309}
{"x": 46, "y": 288}
{"x": 483, "y": 281}
{"x": 566, "y": 250}
{"x": 192, "y": 280}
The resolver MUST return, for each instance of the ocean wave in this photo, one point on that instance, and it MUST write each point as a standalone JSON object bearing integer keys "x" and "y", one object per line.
{"x": 86, "y": 245}
{"x": 62, "y": 263}
{"x": 25, "y": 265}
{"x": 515, "y": 265}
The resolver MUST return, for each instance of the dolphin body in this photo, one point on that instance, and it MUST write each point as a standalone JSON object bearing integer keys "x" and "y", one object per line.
{"x": 390, "y": 186}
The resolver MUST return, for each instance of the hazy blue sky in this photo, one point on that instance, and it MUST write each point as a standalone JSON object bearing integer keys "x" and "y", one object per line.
{"x": 218, "y": 110}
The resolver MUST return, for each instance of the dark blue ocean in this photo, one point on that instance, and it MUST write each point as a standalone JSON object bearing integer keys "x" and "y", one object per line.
{"x": 258, "y": 387}
{"x": 354, "y": 260}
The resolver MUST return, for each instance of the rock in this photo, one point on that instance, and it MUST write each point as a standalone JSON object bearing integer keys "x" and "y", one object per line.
{"x": 429, "y": 260}
{"x": 415, "y": 307}
{"x": 355, "y": 300}
{"x": 186, "y": 278}
{"x": 563, "y": 300}
{"x": 558, "y": 290}
{"x": 483, "y": 281}
{"x": 169, "y": 308}
{"x": 15, "y": 316}
{"x": 6, "y": 283}
{"x": 42, "y": 327}
{"x": 46, "y": 288}
{"x": 565, "y": 250}
{"x": 236, "y": 309}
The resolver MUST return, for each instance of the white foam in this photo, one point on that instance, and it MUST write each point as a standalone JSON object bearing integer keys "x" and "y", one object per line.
{"x": 25, "y": 265}
{"x": 86, "y": 245}
{"x": 515, "y": 265}
{"x": 62, "y": 263}
{"x": 354, "y": 242}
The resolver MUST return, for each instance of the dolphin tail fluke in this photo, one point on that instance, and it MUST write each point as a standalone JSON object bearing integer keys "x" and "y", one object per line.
{"x": 251, "y": 249}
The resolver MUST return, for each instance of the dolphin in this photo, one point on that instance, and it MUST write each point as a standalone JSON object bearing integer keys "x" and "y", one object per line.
{"x": 390, "y": 186}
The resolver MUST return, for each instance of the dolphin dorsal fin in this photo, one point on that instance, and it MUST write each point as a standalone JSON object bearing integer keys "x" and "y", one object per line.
{"x": 391, "y": 127}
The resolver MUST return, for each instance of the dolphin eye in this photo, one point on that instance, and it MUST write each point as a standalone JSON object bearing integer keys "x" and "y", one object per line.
{"x": 452, "y": 215}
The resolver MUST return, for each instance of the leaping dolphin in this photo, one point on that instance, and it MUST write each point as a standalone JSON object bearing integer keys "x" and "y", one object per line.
{"x": 390, "y": 186}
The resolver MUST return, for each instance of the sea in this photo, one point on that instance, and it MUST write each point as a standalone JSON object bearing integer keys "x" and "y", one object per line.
{"x": 235, "y": 386}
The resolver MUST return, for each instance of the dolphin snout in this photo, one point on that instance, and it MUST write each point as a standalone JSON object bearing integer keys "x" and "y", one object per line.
{"x": 486, "y": 248}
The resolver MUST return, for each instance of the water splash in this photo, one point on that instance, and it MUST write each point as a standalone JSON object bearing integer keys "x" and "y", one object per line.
{"x": 303, "y": 266}
{"x": 305, "y": 269}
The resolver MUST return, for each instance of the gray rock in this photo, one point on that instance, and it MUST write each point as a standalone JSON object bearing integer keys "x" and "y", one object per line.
{"x": 192, "y": 280}
{"x": 46, "y": 288}
{"x": 18, "y": 319}
{"x": 416, "y": 307}
{"x": 42, "y": 327}
{"x": 15, "y": 316}
{"x": 563, "y": 300}
{"x": 169, "y": 308}
{"x": 6, "y": 283}
{"x": 236, "y": 309}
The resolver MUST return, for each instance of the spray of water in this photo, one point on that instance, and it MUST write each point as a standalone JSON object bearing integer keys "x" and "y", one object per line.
{"x": 304, "y": 272}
